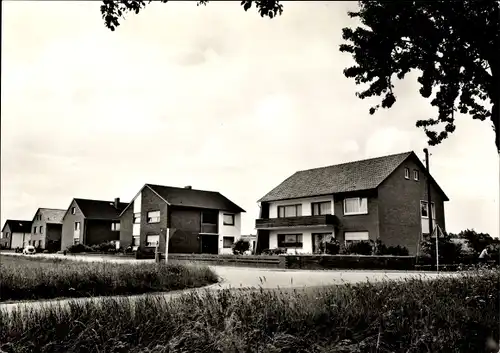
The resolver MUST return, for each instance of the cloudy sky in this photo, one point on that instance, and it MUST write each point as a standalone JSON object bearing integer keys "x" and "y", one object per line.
{"x": 211, "y": 97}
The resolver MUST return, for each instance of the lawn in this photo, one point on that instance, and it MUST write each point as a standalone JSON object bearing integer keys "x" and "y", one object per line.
{"x": 25, "y": 278}
{"x": 458, "y": 314}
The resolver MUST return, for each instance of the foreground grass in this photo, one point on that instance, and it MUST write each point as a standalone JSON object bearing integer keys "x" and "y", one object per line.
{"x": 444, "y": 315}
{"x": 23, "y": 278}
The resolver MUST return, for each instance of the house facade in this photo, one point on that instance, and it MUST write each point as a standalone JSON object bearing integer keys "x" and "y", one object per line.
{"x": 382, "y": 198}
{"x": 196, "y": 221}
{"x": 91, "y": 222}
{"x": 15, "y": 233}
{"x": 46, "y": 229}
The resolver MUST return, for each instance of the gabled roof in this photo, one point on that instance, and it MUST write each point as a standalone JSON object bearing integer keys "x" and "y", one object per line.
{"x": 192, "y": 198}
{"x": 51, "y": 215}
{"x": 359, "y": 175}
{"x": 99, "y": 209}
{"x": 18, "y": 226}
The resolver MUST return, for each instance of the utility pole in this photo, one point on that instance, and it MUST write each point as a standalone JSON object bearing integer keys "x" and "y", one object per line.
{"x": 429, "y": 204}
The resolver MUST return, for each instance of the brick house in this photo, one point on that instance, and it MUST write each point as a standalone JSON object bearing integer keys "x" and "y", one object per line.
{"x": 196, "y": 221}
{"x": 15, "y": 233}
{"x": 91, "y": 222}
{"x": 379, "y": 198}
{"x": 46, "y": 229}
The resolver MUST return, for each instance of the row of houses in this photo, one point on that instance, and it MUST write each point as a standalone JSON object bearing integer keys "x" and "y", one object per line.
{"x": 382, "y": 198}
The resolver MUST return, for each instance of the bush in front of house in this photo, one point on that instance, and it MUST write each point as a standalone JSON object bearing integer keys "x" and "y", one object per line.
{"x": 449, "y": 252}
{"x": 34, "y": 278}
{"x": 78, "y": 248}
{"x": 105, "y": 247}
{"x": 240, "y": 246}
{"x": 359, "y": 248}
{"x": 449, "y": 314}
{"x": 382, "y": 249}
{"x": 275, "y": 251}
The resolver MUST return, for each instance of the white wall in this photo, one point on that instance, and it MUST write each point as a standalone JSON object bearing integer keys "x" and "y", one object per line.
{"x": 17, "y": 240}
{"x": 305, "y": 202}
{"x": 307, "y": 242}
{"x": 224, "y": 230}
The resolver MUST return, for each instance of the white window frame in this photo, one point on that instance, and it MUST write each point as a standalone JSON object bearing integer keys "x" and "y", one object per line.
{"x": 77, "y": 227}
{"x": 230, "y": 246}
{"x": 153, "y": 219}
{"x": 359, "y": 199}
{"x": 73, "y": 210}
{"x": 433, "y": 209}
{"x": 297, "y": 235}
{"x": 134, "y": 216}
{"x": 318, "y": 204}
{"x": 416, "y": 175}
{"x": 407, "y": 173}
{"x": 298, "y": 207}
{"x": 149, "y": 244}
{"x": 115, "y": 226}
{"x": 224, "y": 219}
{"x": 349, "y": 241}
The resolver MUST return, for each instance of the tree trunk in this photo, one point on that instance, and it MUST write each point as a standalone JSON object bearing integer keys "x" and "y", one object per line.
{"x": 495, "y": 118}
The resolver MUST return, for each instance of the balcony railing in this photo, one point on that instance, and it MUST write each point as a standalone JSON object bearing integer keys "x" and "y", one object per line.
{"x": 303, "y": 221}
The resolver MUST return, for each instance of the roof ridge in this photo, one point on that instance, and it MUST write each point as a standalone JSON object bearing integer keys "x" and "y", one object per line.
{"x": 78, "y": 198}
{"x": 53, "y": 209}
{"x": 180, "y": 188}
{"x": 357, "y": 161}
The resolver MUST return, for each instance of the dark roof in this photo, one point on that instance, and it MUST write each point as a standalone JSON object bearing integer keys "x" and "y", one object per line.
{"x": 52, "y": 215}
{"x": 18, "y": 226}
{"x": 195, "y": 198}
{"x": 98, "y": 209}
{"x": 353, "y": 176}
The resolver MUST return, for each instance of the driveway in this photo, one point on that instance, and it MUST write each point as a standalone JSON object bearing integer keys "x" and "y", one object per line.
{"x": 247, "y": 278}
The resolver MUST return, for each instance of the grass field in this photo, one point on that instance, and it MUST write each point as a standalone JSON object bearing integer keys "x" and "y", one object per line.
{"x": 29, "y": 278}
{"x": 457, "y": 314}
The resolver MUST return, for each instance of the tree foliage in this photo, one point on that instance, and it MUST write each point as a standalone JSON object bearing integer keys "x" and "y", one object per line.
{"x": 454, "y": 44}
{"x": 477, "y": 241}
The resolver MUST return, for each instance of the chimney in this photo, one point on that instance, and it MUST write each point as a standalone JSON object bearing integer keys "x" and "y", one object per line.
{"x": 188, "y": 187}
{"x": 117, "y": 202}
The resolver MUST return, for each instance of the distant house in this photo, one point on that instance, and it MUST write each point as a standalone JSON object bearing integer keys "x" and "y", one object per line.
{"x": 197, "y": 221}
{"x": 46, "y": 229}
{"x": 91, "y": 222}
{"x": 15, "y": 233}
{"x": 379, "y": 198}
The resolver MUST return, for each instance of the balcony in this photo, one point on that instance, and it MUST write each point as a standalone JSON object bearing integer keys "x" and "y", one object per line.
{"x": 296, "y": 222}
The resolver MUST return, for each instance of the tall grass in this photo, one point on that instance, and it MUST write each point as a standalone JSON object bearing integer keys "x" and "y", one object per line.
{"x": 24, "y": 279}
{"x": 456, "y": 314}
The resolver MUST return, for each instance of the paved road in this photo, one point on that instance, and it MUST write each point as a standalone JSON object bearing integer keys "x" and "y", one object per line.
{"x": 242, "y": 277}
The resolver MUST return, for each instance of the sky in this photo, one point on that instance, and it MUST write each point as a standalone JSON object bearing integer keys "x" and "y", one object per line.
{"x": 209, "y": 96}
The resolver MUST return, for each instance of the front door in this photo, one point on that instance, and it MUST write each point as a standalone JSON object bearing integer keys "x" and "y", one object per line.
{"x": 210, "y": 244}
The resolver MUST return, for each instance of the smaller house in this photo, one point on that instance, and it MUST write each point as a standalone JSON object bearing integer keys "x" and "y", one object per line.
{"x": 46, "y": 229}
{"x": 15, "y": 233}
{"x": 91, "y": 222}
{"x": 196, "y": 221}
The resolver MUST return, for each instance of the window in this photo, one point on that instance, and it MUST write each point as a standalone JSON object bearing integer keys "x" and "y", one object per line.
{"x": 228, "y": 219}
{"x": 351, "y": 237}
{"x": 41, "y": 229}
{"x": 154, "y": 217}
{"x": 152, "y": 240}
{"x": 73, "y": 210}
{"x": 209, "y": 222}
{"x": 407, "y": 173}
{"x": 137, "y": 218}
{"x": 415, "y": 175}
{"x": 227, "y": 242}
{"x": 424, "y": 209}
{"x": 321, "y": 208}
{"x": 115, "y": 226}
{"x": 290, "y": 241}
{"x": 319, "y": 242}
{"x": 34, "y": 230}
{"x": 136, "y": 240}
{"x": 77, "y": 226}
{"x": 290, "y": 211}
{"x": 355, "y": 205}
{"x": 7, "y": 234}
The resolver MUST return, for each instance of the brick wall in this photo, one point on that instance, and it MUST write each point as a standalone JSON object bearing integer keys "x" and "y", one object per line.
{"x": 68, "y": 226}
{"x": 185, "y": 231}
{"x": 99, "y": 231}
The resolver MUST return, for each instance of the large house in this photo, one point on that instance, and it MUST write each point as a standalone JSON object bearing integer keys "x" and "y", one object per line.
{"x": 91, "y": 222}
{"x": 15, "y": 234}
{"x": 46, "y": 229}
{"x": 196, "y": 221}
{"x": 382, "y": 198}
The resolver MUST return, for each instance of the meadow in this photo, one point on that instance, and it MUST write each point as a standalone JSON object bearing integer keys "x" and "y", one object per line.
{"x": 33, "y": 278}
{"x": 452, "y": 314}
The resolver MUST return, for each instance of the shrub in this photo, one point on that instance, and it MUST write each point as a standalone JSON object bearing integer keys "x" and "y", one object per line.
{"x": 240, "y": 246}
{"x": 449, "y": 252}
{"x": 79, "y": 248}
{"x": 382, "y": 249}
{"x": 444, "y": 315}
{"x": 104, "y": 247}
{"x": 359, "y": 248}
{"x": 332, "y": 247}
{"x": 276, "y": 251}
{"x": 35, "y": 278}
